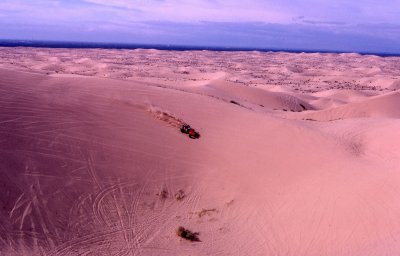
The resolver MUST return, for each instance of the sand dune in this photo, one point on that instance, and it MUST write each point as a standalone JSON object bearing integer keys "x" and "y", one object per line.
{"x": 395, "y": 85}
{"x": 336, "y": 97}
{"x": 253, "y": 96}
{"x": 387, "y": 105}
{"x": 93, "y": 162}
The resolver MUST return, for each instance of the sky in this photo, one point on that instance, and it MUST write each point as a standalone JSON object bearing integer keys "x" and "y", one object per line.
{"x": 332, "y": 25}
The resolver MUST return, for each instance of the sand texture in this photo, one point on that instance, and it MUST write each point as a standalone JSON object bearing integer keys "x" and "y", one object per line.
{"x": 299, "y": 153}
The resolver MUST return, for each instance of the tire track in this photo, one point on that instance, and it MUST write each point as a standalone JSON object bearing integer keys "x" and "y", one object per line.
{"x": 84, "y": 241}
{"x": 121, "y": 220}
{"x": 138, "y": 233}
{"x": 18, "y": 203}
{"x": 92, "y": 171}
{"x": 97, "y": 202}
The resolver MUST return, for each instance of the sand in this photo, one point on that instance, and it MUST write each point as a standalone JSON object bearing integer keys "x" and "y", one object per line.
{"x": 298, "y": 153}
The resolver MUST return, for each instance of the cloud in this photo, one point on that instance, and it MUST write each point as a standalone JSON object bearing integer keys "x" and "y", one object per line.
{"x": 283, "y": 12}
{"x": 200, "y": 10}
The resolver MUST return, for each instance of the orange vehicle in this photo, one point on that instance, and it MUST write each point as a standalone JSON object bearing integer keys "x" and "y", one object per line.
{"x": 190, "y": 131}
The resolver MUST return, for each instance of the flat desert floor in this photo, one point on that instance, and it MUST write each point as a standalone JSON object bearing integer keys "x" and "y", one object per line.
{"x": 299, "y": 153}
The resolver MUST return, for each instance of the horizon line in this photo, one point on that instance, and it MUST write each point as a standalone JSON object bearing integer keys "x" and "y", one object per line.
{"x": 175, "y": 47}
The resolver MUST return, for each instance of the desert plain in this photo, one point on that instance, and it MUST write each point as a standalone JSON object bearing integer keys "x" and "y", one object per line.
{"x": 299, "y": 153}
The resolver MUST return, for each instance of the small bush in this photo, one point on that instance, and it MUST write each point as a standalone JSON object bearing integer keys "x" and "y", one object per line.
{"x": 187, "y": 234}
{"x": 163, "y": 194}
{"x": 180, "y": 195}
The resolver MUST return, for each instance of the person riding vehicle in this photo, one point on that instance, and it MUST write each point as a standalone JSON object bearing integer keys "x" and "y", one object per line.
{"x": 190, "y": 131}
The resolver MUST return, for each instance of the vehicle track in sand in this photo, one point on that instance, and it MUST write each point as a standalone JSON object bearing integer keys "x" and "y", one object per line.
{"x": 166, "y": 117}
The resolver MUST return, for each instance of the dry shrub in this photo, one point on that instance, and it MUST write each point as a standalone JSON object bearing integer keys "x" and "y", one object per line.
{"x": 187, "y": 234}
{"x": 180, "y": 195}
{"x": 163, "y": 194}
{"x": 205, "y": 212}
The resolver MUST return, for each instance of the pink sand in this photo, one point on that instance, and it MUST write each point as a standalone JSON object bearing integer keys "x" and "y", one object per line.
{"x": 306, "y": 163}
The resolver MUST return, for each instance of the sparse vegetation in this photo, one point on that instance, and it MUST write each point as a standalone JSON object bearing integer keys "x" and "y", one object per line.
{"x": 205, "y": 212}
{"x": 163, "y": 194}
{"x": 180, "y": 195}
{"x": 187, "y": 234}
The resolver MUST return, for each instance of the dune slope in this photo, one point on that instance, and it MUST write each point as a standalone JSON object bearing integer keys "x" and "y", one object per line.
{"x": 98, "y": 166}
